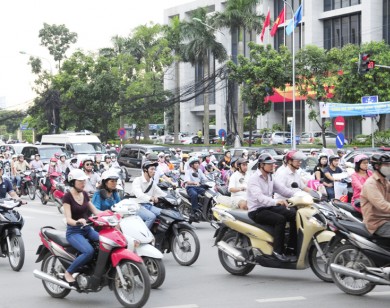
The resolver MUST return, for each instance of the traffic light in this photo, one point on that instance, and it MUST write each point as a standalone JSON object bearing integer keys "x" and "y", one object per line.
{"x": 365, "y": 63}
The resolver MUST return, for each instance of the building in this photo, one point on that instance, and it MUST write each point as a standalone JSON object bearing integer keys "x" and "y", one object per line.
{"x": 325, "y": 23}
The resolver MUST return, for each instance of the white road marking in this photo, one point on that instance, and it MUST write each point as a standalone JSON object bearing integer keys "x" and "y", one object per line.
{"x": 378, "y": 293}
{"x": 280, "y": 299}
{"x": 22, "y": 211}
{"x": 181, "y": 306}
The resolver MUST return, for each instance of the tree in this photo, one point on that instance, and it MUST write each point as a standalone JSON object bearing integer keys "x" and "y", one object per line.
{"x": 240, "y": 17}
{"x": 57, "y": 38}
{"x": 200, "y": 49}
{"x": 259, "y": 74}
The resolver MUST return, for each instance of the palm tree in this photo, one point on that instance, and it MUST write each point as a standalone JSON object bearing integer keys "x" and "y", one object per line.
{"x": 199, "y": 49}
{"x": 240, "y": 17}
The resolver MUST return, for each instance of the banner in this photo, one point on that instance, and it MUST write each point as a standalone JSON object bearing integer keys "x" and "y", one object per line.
{"x": 332, "y": 110}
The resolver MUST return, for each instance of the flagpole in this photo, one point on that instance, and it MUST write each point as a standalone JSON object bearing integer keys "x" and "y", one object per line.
{"x": 293, "y": 139}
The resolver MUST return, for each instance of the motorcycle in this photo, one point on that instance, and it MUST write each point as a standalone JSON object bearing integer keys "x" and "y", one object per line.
{"x": 57, "y": 190}
{"x": 173, "y": 233}
{"x": 113, "y": 264}
{"x": 243, "y": 244}
{"x": 11, "y": 241}
{"x": 133, "y": 227}
{"x": 26, "y": 185}
{"x": 362, "y": 262}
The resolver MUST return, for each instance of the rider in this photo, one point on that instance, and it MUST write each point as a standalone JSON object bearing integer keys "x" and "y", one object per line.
{"x": 19, "y": 167}
{"x": 77, "y": 208}
{"x": 93, "y": 178}
{"x": 359, "y": 177}
{"x": 184, "y": 159}
{"x": 6, "y": 186}
{"x": 224, "y": 163}
{"x": 375, "y": 197}
{"x": 290, "y": 174}
{"x": 329, "y": 180}
{"x": 340, "y": 154}
{"x": 238, "y": 184}
{"x": 168, "y": 161}
{"x": 62, "y": 164}
{"x": 97, "y": 162}
{"x": 263, "y": 209}
{"x": 114, "y": 162}
{"x": 107, "y": 195}
{"x": 52, "y": 171}
{"x": 107, "y": 163}
{"x": 322, "y": 164}
{"x": 147, "y": 191}
{"x": 193, "y": 178}
{"x": 36, "y": 163}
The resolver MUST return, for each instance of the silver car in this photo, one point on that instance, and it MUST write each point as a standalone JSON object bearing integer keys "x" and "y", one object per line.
{"x": 316, "y": 138}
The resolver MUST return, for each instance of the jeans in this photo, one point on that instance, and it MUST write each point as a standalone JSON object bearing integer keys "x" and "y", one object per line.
{"x": 78, "y": 238}
{"x": 277, "y": 216}
{"x": 330, "y": 193}
{"x": 193, "y": 192}
{"x": 18, "y": 179}
{"x": 384, "y": 230}
{"x": 148, "y": 212}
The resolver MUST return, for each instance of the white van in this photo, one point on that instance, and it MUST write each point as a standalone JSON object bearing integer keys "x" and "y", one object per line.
{"x": 80, "y": 143}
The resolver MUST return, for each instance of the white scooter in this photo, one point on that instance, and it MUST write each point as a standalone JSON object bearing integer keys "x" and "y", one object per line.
{"x": 134, "y": 228}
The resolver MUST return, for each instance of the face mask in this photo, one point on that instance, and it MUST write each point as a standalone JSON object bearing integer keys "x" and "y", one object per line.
{"x": 385, "y": 170}
{"x": 53, "y": 164}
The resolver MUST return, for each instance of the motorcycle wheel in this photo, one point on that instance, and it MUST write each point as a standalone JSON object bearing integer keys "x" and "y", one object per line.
{"x": 156, "y": 271}
{"x": 351, "y": 257}
{"x": 185, "y": 247}
{"x": 319, "y": 267}
{"x": 232, "y": 266}
{"x": 136, "y": 292}
{"x": 42, "y": 197}
{"x": 31, "y": 190}
{"x": 16, "y": 253}
{"x": 53, "y": 267}
{"x": 59, "y": 206}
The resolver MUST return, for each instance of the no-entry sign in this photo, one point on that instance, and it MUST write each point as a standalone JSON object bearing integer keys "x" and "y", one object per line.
{"x": 339, "y": 124}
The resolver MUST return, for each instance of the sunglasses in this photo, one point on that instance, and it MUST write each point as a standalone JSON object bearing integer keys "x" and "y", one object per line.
{"x": 88, "y": 164}
{"x": 112, "y": 180}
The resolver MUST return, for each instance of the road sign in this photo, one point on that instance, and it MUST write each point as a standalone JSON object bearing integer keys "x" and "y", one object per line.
{"x": 222, "y": 133}
{"x": 340, "y": 140}
{"x": 339, "y": 124}
{"x": 368, "y": 100}
{"x": 121, "y": 132}
{"x": 24, "y": 127}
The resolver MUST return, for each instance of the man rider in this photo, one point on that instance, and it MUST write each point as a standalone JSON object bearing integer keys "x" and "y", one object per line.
{"x": 238, "y": 184}
{"x": 62, "y": 164}
{"x": 193, "y": 178}
{"x": 19, "y": 167}
{"x": 36, "y": 163}
{"x": 6, "y": 186}
{"x": 263, "y": 209}
{"x": 93, "y": 178}
{"x": 147, "y": 191}
{"x": 375, "y": 197}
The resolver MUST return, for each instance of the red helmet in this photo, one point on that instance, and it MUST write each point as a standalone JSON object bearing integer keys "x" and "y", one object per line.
{"x": 295, "y": 155}
{"x": 57, "y": 155}
{"x": 53, "y": 160}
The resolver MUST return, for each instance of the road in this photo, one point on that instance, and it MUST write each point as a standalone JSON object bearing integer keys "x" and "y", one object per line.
{"x": 204, "y": 284}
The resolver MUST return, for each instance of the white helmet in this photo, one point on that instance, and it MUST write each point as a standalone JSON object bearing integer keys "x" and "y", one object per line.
{"x": 109, "y": 174}
{"x": 77, "y": 174}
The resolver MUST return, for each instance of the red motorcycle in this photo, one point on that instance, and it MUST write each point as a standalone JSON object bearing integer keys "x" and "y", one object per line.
{"x": 27, "y": 185}
{"x": 57, "y": 190}
{"x": 113, "y": 265}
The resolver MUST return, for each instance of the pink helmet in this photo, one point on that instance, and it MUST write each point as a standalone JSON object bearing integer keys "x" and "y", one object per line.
{"x": 358, "y": 158}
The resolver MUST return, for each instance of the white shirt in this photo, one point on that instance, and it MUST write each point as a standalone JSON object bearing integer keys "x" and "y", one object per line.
{"x": 234, "y": 182}
{"x": 140, "y": 184}
{"x": 286, "y": 177}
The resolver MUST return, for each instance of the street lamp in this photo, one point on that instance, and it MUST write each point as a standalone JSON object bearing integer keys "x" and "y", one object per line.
{"x": 208, "y": 26}
{"x": 27, "y": 54}
{"x": 293, "y": 139}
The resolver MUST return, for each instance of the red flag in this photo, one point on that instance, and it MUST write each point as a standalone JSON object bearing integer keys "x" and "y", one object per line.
{"x": 277, "y": 22}
{"x": 267, "y": 23}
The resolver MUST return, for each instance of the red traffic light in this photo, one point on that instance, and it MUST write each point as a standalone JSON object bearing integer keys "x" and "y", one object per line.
{"x": 365, "y": 57}
{"x": 371, "y": 65}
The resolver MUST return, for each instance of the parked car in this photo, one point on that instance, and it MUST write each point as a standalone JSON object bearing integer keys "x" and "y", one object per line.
{"x": 45, "y": 151}
{"x": 192, "y": 139}
{"x": 14, "y": 148}
{"x": 277, "y": 137}
{"x": 316, "y": 138}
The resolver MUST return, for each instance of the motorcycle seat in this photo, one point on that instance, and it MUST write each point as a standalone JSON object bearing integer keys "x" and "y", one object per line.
{"x": 356, "y": 227}
{"x": 347, "y": 207}
{"x": 57, "y": 236}
{"x": 243, "y": 216}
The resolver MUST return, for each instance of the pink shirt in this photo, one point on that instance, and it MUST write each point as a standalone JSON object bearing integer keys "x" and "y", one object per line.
{"x": 357, "y": 184}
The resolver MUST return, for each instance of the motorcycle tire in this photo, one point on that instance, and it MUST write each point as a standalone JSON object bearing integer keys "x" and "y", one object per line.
{"x": 17, "y": 252}
{"x": 232, "y": 266}
{"x": 351, "y": 257}
{"x": 319, "y": 267}
{"x": 185, "y": 246}
{"x": 53, "y": 267}
{"x": 137, "y": 291}
{"x": 43, "y": 201}
{"x": 156, "y": 271}
{"x": 59, "y": 206}
{"x": 31, "y": 190}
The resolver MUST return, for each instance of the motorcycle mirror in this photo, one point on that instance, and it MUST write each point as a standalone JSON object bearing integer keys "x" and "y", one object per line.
{"x": 294, "y": 185}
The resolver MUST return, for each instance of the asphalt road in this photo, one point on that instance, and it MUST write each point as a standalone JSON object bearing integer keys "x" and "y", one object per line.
{"x": 204, "y": 284}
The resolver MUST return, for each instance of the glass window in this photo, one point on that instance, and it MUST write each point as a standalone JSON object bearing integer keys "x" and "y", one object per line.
{"x": 344, "y": 31}
{"x": 345, "y": 3}
{"x": 355, "y": 35}
{"x": 328, "y": 34}
{"x": 336, "y": 33}
{"x": 337, "y": 4}
{"x": 133, "y": 153}
{"x": 355, "y": 2}
{"x": 327, "y": 5}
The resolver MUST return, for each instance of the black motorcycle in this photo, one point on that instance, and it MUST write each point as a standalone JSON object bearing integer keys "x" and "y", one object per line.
{"x": 11, "y": 241}
{"x": 174, "y": 234}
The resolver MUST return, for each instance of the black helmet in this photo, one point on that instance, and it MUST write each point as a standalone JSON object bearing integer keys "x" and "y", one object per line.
{"x": 241, "y": 161}
{"x": 340, "y": 151}
{"x": 333, "y": 157}
{"x": 266, "y": 158}
{"x": 147, "y": 164}
{"x": 378, "y": 159}
{"x": 233, "y": 161}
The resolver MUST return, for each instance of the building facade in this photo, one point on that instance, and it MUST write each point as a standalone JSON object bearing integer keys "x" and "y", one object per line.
{"x": 325, "y": 23}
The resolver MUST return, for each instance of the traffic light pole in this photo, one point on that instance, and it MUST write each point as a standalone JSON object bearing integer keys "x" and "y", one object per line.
{"x": 384, "y": 66}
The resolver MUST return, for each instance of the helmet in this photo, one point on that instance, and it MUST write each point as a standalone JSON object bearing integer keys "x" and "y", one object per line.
{"x": 86, "y": 159}
{"x": 113, "y": 155}
{"x": 57, "y": 155}
{"x": 233, "y": 161}
{"x": 241, "y": 161}
{"x": 378, "y": 159}
{"x": 110, "y": 175}
{"x": 167, "y": 155}
{"x": 193, "y": 160}
{"x": 77, "y": 174}
{"x": 178, "y": 150}
{"x": 161, "y": 154}
{"x": 20, "y": 155}
{"x": 313, "y": 150}
{"x": 53, "y": 160}
{"x": 340, "y": 151}
{"x": 265, "y": 158}
{"x": 321, "y": 155}
{"x": 295, "y": 155}
{"x": 152, "y": 157}
{"x": 185, "y": 155}
{"x": 245, "y": 151}
{"x": 147, "y": 164}
{"x": 358, "y": 158}
{"x": 62, "y": 155}
{"x": 14, "y": 156}
{"x": 211, "y": 151}
{"x": 333, "y": 157}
